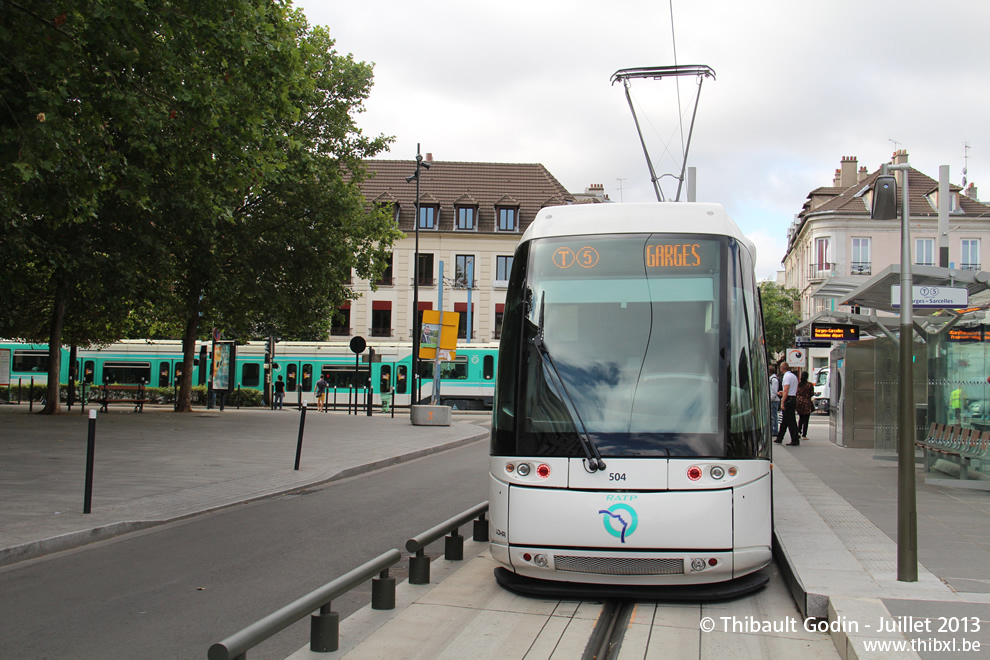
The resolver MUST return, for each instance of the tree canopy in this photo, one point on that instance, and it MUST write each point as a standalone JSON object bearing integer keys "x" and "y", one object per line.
{"x": 181, "y": 166}
{"x": 779, "y": 317}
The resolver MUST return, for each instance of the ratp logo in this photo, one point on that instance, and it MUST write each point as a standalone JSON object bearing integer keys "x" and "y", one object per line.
{"x": 620, "y": 521}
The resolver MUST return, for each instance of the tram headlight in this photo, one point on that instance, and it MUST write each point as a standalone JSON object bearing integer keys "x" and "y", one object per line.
{"x": 540, "y": 560}
{"x": 523, "y": 469}
{"x": 717, "y": 472}
{"x": 697, "y": 564}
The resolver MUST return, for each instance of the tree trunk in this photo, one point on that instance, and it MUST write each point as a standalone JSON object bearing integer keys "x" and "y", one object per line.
{"x": 184, "y": 402}
{"x": 53, "y": 405}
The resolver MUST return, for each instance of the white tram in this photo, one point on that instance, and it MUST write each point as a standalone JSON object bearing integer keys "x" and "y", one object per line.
{"x": 630, "y": 437}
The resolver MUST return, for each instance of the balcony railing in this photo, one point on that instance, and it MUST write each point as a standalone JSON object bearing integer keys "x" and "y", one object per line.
{"x": 969, "y": 267}
{"x": 385, "y": 281}
{"x": 821, "y": 271}
{"x": 340, "y": 332}
{"x": 860, "y": 268}
{"x": 426, "y": 281}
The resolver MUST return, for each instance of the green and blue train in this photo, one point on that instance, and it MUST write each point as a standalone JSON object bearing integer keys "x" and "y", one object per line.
{"x": 466, "y": 383}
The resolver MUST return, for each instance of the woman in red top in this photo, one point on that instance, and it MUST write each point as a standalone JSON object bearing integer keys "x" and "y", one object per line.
{"x": 805, "y": 406}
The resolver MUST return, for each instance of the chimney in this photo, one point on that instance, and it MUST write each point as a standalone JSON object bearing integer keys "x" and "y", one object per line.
{"x": 863, "y": 173}
{"x": 429, "y": 157}
{"x": 900, "y": 156}
{"x": 847, "y": 173}
{"x": 837, "y": 179}
{"x": 971, "y": 193}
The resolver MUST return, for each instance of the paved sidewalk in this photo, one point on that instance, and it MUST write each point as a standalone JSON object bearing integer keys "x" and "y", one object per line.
{"x": 159, "y": 466}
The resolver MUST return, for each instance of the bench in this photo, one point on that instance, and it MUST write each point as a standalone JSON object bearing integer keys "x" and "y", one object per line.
{"x": 118, "y": 394}
{"x": 969, "y": 449}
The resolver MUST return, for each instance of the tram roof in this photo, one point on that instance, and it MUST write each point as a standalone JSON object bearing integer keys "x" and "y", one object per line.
{"x": 655, "y": 217}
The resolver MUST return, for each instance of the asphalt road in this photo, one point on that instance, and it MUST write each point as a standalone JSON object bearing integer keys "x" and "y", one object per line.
{"x": 172, "y": 591}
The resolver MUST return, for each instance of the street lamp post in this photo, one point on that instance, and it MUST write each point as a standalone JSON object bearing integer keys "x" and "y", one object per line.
{"x": 420, "y": 165}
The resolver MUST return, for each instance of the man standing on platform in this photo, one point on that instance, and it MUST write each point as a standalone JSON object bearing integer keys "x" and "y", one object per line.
{"x": 788, "y": 403}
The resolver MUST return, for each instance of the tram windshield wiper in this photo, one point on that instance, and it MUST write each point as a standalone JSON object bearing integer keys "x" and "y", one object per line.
{"x": 593, "y": 457}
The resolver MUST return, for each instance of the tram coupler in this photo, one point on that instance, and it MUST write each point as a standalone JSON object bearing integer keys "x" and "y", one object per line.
{"x": 419, "y": 568}
{"x": 383, "y": 592}
{"x": 324, "y": 630}
{"x": 481, "y": 529}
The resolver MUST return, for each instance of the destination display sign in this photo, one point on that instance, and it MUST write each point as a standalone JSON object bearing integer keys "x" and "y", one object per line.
{"x": 968, "y": 335}
{"x": 835, "y": 331}
{"x": 682, "y": 255}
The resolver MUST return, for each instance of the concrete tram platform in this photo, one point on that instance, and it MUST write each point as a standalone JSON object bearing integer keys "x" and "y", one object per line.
{"x": 835, "y": 562}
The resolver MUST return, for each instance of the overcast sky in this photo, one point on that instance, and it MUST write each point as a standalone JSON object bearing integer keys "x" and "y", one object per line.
{"x": 798, "y": 85}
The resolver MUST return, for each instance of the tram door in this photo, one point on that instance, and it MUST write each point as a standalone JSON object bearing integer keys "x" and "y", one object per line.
{"x": 298, "y": 377}
{"x": 164, "y": 371}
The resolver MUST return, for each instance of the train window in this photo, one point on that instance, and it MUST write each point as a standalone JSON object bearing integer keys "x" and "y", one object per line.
{"x": 449, "y": 369}
{"x": 251, "y": 374}
{"x": 290, "y": 378}
{"x": 34, "y": 361}
{"x": 178, "y": 373}
{"x": 307, "y": 378}
{"x": 88, "y": 369}
{"x": 385, "y": 378}
{"x": 127, "y": 373}
{"x": 400, "y": 379}
{"x": 489, "y": 367}
{"x": 163, "y": 373}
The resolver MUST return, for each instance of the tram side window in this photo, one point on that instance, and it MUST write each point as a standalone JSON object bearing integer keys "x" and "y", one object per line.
{"x": 88, "y": 369}
{"x": 290, "y": 378}
{"x": 251, "y": 374}
{"x": 164, "y": 370}
{"x": 178, "y": 373}
{"x": 385, "y": 378}
{"x": 126, "y": 373}
{"x": 400, "y": 379}
{"x": 489, "y": 367}
{"x": 456, "y": 370}
{"x": 35, "y": 361}
{"x": 307, "y": 377}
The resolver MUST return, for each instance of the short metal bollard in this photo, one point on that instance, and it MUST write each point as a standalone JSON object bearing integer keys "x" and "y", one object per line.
{"x": 383, "y": 592}
{"x": 90, "y": 461}
{"x": 481, "y": 529}
{"x": 302, "y": 427}
{"x": 324, "y": 630}
{"x": 453, "y": 547}
{"x": 419, "y": 568}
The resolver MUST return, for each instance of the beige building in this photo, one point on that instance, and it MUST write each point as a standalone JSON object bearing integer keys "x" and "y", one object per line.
{"x": 833, "y": 246}
{"x": 472, "y": 215}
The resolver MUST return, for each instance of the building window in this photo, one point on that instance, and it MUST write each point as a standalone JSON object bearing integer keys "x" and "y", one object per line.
{"x": 425, "y": 277}
{"x": 503, "y": 266}
{"x": 386, "y": 278}
{"x": 970, "y": 254}
{"x": 860, "y": 264}
{"x": 924, "y": 251}
{"x": 462, "y": 320}
{"x": 506, "y": 219}
{"x": 381, "y": 318}
{"x": 499, "y": 312}
{"x": 427, "y": 217}
{"x": 462, "y": 264}
{"x": 340, "y": 323}
{"x": 823, "y": 257}
{"x": 465, "y": 218}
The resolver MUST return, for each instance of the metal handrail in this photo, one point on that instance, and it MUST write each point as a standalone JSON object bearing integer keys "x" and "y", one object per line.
{"x": 240, "y": 642}
{"x": 417, "y": 543}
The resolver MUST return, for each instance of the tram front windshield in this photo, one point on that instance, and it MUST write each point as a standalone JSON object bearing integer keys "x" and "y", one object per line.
{"x": 646, "y": 345}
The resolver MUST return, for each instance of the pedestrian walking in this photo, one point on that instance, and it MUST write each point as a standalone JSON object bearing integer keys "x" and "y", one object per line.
{"x": 279, "y": 393}
{"x": 805, "y": 406}
{"x": 788, "y": 403}
{"x": 321, "y": 392}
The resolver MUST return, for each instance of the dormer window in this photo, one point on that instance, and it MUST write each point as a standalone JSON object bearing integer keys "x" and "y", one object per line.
{"x": 953, "y": 200}
{"x": 428, "y": 217}
{"x": 466, "y": 218}
{"x": 507, "y": 218}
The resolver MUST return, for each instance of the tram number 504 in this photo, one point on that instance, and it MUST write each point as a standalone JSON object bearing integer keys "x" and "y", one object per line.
{"x": 616, "y": 476}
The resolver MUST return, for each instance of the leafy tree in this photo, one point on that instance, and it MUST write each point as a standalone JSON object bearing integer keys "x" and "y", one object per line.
{"x": 779, "y": 317}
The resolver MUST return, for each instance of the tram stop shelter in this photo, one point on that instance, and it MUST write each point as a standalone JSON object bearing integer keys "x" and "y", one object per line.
{"x": 951, "y": 353}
